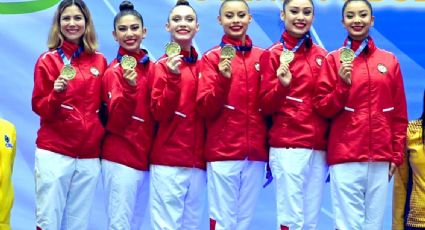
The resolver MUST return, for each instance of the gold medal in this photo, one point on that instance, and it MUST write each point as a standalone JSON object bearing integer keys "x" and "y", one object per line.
{"x": 228, "y": 52}
{"x": 172, "y": 49}
{"x": 68, "y": 72}
{"x": 128, "y": 62}
{"x": 346, "y": 55}
{"x": 286, "y": 56}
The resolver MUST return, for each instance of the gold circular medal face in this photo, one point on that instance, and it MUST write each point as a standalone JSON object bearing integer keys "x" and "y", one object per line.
{"x": 172, "y": 49}
{"x": 286, "y": 56}
{"x": 228, "y": 52}
{"x": 347, "y": 55}
{"x": 128, "y": 62}
{"x": 68, "y": 72}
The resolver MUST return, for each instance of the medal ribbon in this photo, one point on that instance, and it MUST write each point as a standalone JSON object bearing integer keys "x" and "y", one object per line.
{"x": 67, "y": 61}
{"x": 238, "y": 48}
{"x": 361, "y": 47}
{"x": 143, "y": 60}
{"x": 300, "y": 42}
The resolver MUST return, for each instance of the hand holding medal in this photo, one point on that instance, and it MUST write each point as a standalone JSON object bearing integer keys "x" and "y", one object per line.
{"x": 228, "y": 52}
{"x": 60, "y": 84}
{"x": 346, "y": 57}
{"x": 129, "y": 63}
{"x": 172, "y": 50}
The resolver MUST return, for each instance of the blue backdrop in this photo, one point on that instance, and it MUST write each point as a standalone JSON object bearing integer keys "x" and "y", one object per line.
{"x": 23, "y": 36}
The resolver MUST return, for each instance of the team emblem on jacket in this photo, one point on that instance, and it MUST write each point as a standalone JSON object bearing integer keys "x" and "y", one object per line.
{"x": 382, "y": 68}
{"x": 257, "y": 66}
{"x": 94, "y": 71}
{"x": 7, "y": 140}
{"x": 319, "y": 60}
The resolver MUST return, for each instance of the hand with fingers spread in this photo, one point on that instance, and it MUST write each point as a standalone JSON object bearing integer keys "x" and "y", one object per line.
{"x": 345, "y": 72}
{"x": 130, "y": 75}
{"x": 174, "y": 62}
{"x": 60, "y": 84}
{"x": 284, "y": 74}
{"x": 225, "y": 67}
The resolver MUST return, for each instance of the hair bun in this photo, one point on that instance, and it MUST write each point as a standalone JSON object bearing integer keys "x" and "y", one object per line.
{"x": 126, "y": 5}
{"x": 182, "y": 3}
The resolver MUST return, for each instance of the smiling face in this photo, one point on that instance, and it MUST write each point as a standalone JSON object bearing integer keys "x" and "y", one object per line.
{"x": 235, "y": 18}
{"x": 298, "y": 17}
{"x": 72, "y": 24}
{"x": 182, "y": 25}
{"x": 129, "y": 32}
{"x": 357, "y": 19}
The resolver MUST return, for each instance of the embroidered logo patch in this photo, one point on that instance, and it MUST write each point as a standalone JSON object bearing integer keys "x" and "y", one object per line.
{"x": 7, "y": 140}
{"x": 319, "y": 60}
{"x": 382, "y": 68}
{"x": 94, "y": 71}
{"x": 257, "y": 66}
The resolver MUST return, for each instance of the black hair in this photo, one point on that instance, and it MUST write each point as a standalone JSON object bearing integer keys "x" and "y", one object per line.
{"x": 349, "y": 1}
{"x": 226, "y": 1}
{"x": 127, "y": 8}
{"x": 183, "y": 3}
{"x": 286, "y": 2}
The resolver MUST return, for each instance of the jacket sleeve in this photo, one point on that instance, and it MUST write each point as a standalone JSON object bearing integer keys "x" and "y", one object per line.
{"x": 45, "y": 101}
{"x": 213, "y": 89}
{"x": 165, "y": 92}
{"x": 399, "y": 116}
{"x": 401, "y": 177}
{"x": 331, "y": 91}
{"x": 120, "y": 100}
{"x": 272, "y": 91}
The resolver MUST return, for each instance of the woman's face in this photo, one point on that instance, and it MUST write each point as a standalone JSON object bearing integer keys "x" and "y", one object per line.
{"x": 235, "y": 18}
{"x": 357, "y": 19}
{"x": 298, "y": 17}
{"x": 129, "y": 33}
{"x": 72, "y": 24}
{"x": 182, "y": 24}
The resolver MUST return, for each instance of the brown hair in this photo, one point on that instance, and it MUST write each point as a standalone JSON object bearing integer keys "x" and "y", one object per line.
{"x": 88, "y": 40}
{"x": 182, "y": 3}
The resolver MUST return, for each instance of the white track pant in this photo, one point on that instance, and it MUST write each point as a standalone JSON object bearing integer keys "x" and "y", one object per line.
{"x": 300, "y": 175}
{"x": 359, "y": 192}
{"x": 127, "y": 195}
{"x": 233, "y": 189}
{"x": 177, "y": 197}
{"x": 65, "y": 189}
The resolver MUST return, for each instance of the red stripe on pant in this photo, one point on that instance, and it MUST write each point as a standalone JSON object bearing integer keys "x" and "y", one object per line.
{"x": 38, "y": 228}
{"x": 283, "y": 227}
{"x": 212, "y": 224}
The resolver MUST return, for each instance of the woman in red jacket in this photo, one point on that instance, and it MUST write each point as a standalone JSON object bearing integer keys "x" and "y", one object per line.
{"x": 178, "y": 167}
{"x": 298, "y": 133}
{"x": 66, "y": 96}
{"x": 130, "y": 125}
{"x": 361, "y": 90}
{"x": 235, "y": 147}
